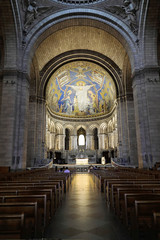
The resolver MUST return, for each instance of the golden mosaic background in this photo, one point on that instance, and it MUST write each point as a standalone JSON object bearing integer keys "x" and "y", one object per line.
{"x": 80, "y": 88}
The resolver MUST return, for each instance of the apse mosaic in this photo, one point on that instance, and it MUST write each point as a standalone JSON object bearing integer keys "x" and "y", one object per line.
{"x": 80, "y": 89}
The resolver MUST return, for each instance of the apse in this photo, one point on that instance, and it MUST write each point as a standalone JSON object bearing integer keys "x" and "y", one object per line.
{"x": 80, "y": 89}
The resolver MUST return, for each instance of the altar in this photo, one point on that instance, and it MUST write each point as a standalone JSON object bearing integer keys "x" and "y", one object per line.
{"x": 81, "y": 161}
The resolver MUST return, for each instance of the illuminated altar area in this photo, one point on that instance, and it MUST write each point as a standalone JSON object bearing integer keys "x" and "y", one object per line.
{"x": 81, "y": 119}
{"x": 81, "y": 161}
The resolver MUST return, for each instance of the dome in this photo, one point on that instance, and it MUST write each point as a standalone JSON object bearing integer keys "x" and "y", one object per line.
{"x": 80, "y": 89}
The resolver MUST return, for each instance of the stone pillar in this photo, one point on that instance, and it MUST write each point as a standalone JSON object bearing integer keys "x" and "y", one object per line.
{"x": 73, "y": 140}
{"x": 106, "y": 142}
{"x": 146, "y": 91}
{"x": 31, "y": 149}
{"x": 14, "y": 119}
{"x": 115, "y": 138}
{"x": 88, "y": 141}
{"x": 92, "y": 142}
{"x": 46, "y": 137}
{"x": 53, "y": 140}
{"x": 56, "y": 142}
{"x": 132, "y": 141}
{"x": 102, "y": 137}
{"x": 123, "y": 145}
{"x": 61, "y": 142}
{"x": 40, "y": 130}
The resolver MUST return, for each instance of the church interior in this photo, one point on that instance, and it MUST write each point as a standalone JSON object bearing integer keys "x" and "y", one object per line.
{"x": 80, "y": 119}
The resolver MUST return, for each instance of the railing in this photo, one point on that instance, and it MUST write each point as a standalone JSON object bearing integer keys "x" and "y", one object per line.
{"x": 45, "y": 163}
{"x": 120, "y": 162}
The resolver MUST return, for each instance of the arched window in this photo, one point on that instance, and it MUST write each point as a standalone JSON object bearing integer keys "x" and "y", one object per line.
{"x": 81, "y": 140}
{"x": 81, "y": 137}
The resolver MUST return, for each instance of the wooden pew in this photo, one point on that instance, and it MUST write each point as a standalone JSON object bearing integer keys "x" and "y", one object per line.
{"x": 27, "y": 186}
{"x": 51, "y": 195}
{"x": 156, "y": 227}
{"x": 37, "y": 180}
{"x": 143, "y": 218}
{"x": 108, "y": 183}
{"x": 41, "y": 208}
{"x": 30, "y": 216}
{"x": 49, "y": 199}
{"x": 8, "y": 192}
{"x": 130, "y": 198}
{"x": 139, "y": 185}
{"x": 120, "y": 198}
{"x": 11, "y": 226}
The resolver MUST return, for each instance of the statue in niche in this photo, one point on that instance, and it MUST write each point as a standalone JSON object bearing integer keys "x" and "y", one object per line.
{"x": 127, "y": 11}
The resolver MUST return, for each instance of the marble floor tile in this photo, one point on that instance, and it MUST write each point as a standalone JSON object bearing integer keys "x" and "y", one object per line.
{"x": 84, "y": 215}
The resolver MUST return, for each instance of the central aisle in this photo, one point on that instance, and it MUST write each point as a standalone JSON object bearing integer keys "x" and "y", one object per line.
{"x": 84, "y": 214}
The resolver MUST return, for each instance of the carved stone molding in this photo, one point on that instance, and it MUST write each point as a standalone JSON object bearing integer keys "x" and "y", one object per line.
{"x": 124, "y": 98}
{"x": 22, "y": 76}
{"x": 36, "y": 99}
{"x": 32, "y": 10}
{"x": 127, "y": 11}
{"x": 153, "y": 80}
{"x": 141, "y": 74}
{"x": 129, "y": 97}
{"x": 32, "y": 99}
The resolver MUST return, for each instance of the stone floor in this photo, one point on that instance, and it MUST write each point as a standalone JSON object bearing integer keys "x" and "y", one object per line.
{"x": 84, "y": 215}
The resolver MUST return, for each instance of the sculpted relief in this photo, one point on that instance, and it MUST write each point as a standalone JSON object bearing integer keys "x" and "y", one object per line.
{"x": 125, "y": 9}
{"x": 32, "y": 10}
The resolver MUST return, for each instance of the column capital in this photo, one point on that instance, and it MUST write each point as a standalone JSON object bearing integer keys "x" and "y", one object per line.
{"x": 37, "y": 99}
{"x": 145, "y": 70}
{"x": 15, "y": 73}
{"x": 124, "y": 98}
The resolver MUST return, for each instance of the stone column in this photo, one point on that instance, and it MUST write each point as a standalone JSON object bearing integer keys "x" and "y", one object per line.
{"x": 146, "y": 91}
{"x": 109, "y": 141}
{"x": 88, "y": 141}
{"x": 106, "y": 142}
{"x": 53, "y": 140}
{"x": 92, "y": 142}
{"x": 14, "y": 119}
{"x": 73, "y": 140}
{"x": 132, "y": 141}
{"x": 102, "y": 137}
{"x": 31, "y": 149}
{"x": 123, "y": 145}
{"x": 115, "y": 138}
{"x": 61, "y": 141}
{"x": 40, "y": 130}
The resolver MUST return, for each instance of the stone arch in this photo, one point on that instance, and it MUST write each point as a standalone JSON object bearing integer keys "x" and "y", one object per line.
{"x": 92, "y": 127}
{"x": 59, "y": 128}
{"x": 110, "y": 126}
{"x": 84, "y": 54}
{"x": 103, "y": 127}
{"x": 118, "y": 29}
{"x": 70, "y": 127}
{"x": 148, "y": 32}
{"x": 11, "y": 37}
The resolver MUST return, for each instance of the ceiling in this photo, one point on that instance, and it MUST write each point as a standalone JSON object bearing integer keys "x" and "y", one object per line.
{"x": 80, "y": 37}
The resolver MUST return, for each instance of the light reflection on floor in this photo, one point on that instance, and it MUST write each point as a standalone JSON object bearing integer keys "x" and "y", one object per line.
{"x": 84, "y": 215}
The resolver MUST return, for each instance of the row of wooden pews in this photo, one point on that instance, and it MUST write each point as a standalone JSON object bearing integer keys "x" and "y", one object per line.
{"x": 134, "y": 196}
{"x": 29, "y": 200}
